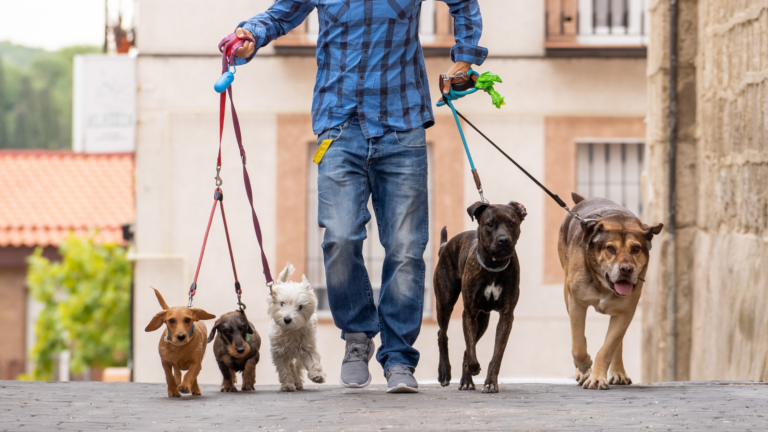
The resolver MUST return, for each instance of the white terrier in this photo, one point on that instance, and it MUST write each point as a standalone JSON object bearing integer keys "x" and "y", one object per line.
{"x": 293, "y": 331}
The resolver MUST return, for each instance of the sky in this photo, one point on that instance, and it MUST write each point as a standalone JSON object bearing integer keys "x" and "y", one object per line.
{"x": 53, "y": 24}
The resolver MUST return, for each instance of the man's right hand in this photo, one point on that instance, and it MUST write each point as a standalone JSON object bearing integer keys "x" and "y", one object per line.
{"x": 248, "y": 47}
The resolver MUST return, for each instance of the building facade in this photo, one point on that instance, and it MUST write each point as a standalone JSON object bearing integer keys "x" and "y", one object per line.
{"x": 574, "y": 75}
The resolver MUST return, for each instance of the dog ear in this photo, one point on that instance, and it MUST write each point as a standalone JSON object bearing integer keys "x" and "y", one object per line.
{"x": 250, "y": 330}
{"x": 201, "y": 315}
{"x": 305, "y": 282}
{"x": 287, "y": 271}
{"x": 157, "y": 321}
{"x": 160, "y": 299}
{"x": 519, "y": 209}
{"x": 651, "y": 231}
{"x": 477, "y": 209}
{"x": 576, "y": 198}
{"x": 591, "y": 229}
{"x": 212, "y": 334}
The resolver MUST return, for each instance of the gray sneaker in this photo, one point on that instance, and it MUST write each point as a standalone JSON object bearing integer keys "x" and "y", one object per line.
{"x": 354, "y": 368}
{"x": 400, "y": 380}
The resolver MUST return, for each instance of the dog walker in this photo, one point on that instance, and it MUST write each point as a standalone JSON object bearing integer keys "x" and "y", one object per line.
{"x": 468, "y": 87}
{"x": 223, "y": 85}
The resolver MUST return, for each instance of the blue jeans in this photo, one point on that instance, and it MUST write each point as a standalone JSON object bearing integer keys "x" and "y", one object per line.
{"x": 391, "y": 169}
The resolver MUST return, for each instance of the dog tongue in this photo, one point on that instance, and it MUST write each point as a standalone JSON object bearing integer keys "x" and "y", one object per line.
{"x": 623, "y": 288}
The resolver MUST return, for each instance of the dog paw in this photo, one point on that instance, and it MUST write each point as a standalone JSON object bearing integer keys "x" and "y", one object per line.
{"x": 184, "y": 388}
{"x": 232, "y": 389}
{"x": 300, "y": 385}
{"x": 197, "y": 392}
{"x": 582, "y": 376}
{"x": 467, "y": 384}
{"x": 249, "y": 387}
{"x": 473, "y": 368}
{"x": 444, "y": 375}
{"x": 619, "y": 378}
{"x": 491, "y": 388}
{"x": 172, "y": 393}
{"x": 317, "y": 377}
{"x": 594, "y": 383}
{"x": 288, "y": 387}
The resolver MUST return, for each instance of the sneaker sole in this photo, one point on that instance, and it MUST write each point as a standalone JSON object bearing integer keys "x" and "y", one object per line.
{"x": 370, "y": 377}
{"x": 402, "y": 388}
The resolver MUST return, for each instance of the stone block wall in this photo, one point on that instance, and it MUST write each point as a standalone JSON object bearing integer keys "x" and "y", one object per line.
{"x": 721, "y": 245}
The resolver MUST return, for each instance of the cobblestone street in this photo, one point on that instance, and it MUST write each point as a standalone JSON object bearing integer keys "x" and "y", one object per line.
{"x": 36, "y": 406}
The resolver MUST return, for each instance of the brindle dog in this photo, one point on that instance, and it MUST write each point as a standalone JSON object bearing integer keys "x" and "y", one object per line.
{"x": 236, "y": 349}
{"x": 481, "y": 266}
{"x": 604, "y": 258}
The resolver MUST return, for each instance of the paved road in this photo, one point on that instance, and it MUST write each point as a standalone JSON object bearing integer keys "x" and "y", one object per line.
{"x": 26, "y": 406}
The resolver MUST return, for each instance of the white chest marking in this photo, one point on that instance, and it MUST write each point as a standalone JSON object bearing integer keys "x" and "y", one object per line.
{"x": 492, "y": 291}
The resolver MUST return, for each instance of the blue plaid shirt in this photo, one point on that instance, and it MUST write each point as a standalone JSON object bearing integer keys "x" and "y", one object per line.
{"x": 369, "y": 58}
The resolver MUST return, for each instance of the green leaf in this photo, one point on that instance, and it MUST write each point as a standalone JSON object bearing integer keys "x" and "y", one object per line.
{"x": 485, "y": 82}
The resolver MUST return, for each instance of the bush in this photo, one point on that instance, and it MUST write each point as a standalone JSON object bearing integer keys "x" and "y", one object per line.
{"x": 86, "y": 299}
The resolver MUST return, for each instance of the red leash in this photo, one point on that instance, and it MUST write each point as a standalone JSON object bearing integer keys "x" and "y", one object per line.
{"x": 228, "y": 46}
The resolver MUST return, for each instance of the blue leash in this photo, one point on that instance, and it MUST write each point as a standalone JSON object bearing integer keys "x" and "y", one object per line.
{"x": 453, "y": 95}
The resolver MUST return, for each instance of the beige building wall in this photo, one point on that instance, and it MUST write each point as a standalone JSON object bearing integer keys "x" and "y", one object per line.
{"x": 175, "y": 160}
{"x": 720, "y": 276}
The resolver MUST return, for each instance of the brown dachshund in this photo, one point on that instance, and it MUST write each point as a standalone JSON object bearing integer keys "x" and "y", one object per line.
{"x": 236, "y": 349}
{"x": 182, "y": 345}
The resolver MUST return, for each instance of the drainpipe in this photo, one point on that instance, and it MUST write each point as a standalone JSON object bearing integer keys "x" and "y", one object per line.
{"x": 672, "y": 117}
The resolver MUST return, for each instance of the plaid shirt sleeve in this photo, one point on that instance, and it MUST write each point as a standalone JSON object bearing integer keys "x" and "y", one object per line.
{"x": 467, "y": 28}
{"x": 282, "y": 17}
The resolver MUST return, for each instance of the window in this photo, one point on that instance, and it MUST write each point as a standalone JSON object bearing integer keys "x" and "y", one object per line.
{"x": 611, "y": 169}
{"x": 373, "y": 252}
{"x": 619, "y": 26}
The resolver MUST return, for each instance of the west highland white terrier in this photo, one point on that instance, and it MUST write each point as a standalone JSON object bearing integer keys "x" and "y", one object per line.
{"x": 293, "y": 331}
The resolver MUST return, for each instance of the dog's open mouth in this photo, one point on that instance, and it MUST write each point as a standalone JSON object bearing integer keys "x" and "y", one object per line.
{"x": 622, "y": 288}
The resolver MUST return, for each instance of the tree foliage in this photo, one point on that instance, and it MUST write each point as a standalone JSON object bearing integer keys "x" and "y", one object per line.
{"x": 36, "y": 96}
{"x": 86, "y": 299}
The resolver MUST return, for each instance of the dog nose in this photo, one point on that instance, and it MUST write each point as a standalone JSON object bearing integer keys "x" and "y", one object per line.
{"x": 240, "y": 350}
{"x": 287, "y": 320}
{"x": 502, "y": 241}
{"x": 181, "y": 336}
{"x": 626, "y": 269}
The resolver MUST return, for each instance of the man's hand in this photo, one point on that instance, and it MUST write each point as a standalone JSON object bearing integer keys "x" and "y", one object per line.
{"x": 457, "y": 67}
{"x": 246, "y": 50}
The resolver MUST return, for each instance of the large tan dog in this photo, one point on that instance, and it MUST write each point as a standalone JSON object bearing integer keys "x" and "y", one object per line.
{"x": 604, "y": 259}
{"x": 182, "y": 345}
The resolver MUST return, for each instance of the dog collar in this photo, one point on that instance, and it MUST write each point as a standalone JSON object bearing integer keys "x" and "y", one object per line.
{"x": 168, "y": 334}
{"x": 498, "y": 270}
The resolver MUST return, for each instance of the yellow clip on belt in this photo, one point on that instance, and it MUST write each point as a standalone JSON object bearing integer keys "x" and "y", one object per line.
{"x": 321, "y": 151}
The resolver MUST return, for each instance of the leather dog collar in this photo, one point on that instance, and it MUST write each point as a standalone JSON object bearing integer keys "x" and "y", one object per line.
{"x": 498, "y": 270}
{"x": 192, "y": 330}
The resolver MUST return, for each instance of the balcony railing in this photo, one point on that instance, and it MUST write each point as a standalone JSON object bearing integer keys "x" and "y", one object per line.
{"x": 596, "y": 27}
{"x": 435, "y": 32}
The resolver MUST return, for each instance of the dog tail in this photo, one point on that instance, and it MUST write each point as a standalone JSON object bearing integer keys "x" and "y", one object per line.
{"x": 443, "y": 240}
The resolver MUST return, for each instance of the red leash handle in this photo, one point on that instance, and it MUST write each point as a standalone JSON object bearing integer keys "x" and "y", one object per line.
{"x": 228, "y": 46}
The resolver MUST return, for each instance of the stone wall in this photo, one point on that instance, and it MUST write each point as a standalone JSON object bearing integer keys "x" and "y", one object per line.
{"x": 722, "y": 203}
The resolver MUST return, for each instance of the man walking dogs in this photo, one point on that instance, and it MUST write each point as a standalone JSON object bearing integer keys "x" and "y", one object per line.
{"x": 371, "y": 99}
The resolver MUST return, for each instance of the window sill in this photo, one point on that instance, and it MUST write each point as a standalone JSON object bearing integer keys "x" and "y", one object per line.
{"x": 574, "y": 50}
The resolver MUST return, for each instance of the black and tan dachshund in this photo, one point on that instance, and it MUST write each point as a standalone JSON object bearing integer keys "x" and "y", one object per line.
{"x": 236, "y": 349}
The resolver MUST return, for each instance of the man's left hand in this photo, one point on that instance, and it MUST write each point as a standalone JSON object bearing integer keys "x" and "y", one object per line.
{"x": 457, "y": 67}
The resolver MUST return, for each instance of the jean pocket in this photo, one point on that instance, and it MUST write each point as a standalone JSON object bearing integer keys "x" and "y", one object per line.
{"x": 332, "y": 134}
{"x": 412, "y": 138}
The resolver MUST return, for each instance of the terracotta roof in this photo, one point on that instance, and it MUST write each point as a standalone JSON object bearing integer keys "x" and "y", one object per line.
{"x": 45, "y": 195}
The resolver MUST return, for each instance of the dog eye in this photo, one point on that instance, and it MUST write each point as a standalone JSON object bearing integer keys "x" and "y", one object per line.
{"x": 187, "y": 320}
{"x": 282, "y": 304}
{"x": 299, "y": 307}
{"x": 171, "y": 321}
{"x": 489, "y": 224}
{"x": 635, "y": 250}
{"x": 611, "y": 250}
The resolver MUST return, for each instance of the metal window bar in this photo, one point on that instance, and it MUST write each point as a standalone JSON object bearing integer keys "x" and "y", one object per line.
{"x": 619, "y": 178}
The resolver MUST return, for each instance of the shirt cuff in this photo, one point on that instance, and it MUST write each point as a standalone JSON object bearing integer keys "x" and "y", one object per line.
{"x": 245, "y": 25}
{"x": 472, "y": 54}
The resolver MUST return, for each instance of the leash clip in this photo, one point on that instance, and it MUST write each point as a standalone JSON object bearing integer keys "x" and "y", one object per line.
{"x": 219, "y": 181}
{"x": 269, "y": 285}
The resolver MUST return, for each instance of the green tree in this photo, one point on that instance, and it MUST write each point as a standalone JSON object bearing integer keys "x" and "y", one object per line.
{"x": 86, "y": 299}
